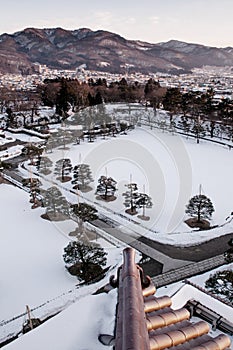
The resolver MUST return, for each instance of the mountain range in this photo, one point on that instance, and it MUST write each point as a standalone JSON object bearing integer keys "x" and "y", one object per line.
{"x": 102, "y": 51}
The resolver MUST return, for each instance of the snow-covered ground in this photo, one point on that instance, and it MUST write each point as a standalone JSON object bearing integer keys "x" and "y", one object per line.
{"x": 170, "y": 167}
{"x": 5, "y": 139}
{"x": 14, "y": 151}
{"x": 33, "y": 270}
{"x": 35, "y": 274}
{"x": 11, "y": 152}
{"x": 78, "y": 327}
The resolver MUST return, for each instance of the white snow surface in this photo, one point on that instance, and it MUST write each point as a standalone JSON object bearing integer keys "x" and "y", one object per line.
{"x": 31, "y": 253}
{"x": 78, "y": 327}
{"x": 188, "y": 292}
{"x": 171, "y": 168}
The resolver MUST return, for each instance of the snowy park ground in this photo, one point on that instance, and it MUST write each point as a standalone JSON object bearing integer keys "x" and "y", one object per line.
{"x": 171, "y": 167}
{"x": 33, "y": 271}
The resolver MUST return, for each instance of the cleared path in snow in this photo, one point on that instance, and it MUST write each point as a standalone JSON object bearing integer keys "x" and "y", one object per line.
{"x": 168, "y": 263}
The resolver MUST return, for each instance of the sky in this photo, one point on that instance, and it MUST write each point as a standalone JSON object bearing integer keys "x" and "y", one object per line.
{"x": 207, "y": 22}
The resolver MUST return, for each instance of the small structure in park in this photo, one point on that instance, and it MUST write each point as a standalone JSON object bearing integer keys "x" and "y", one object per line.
{"x": 31, "y": 322}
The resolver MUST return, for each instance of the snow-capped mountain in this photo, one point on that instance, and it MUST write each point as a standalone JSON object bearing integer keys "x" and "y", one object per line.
{"x": 68, "y": 49}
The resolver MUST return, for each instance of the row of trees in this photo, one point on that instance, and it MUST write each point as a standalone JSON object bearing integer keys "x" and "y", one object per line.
{"x": 195, "y": 126}
{"x": 191, "y": 103}
{"x": 66, "y": 94}
{"x": 22, "y": 107}
{"x": 80, "y": 176}
{"x": 197, "y": 103}
{"x": 87, "y": 261}
{"x": 199, "y": 112}
{"x": 73, "y": 94}
{"x": 199, "y": 207}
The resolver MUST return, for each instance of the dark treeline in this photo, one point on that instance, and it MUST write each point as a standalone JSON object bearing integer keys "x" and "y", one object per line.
{"x": 71, "y": 94}
{"x": 200, "y": 113}
{"x": 66, "y": 94}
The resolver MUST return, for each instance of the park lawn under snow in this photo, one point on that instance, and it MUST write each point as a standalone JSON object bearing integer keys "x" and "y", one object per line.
{"x": 31, "y": 252}
{"x": 170, "y": 167}
{"x": 33, "y": 270}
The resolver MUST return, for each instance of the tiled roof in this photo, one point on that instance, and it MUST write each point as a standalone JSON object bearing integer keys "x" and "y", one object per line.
{"x": 145, "y": 322}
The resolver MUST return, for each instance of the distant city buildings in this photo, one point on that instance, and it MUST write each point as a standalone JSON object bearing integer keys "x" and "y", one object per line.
{"x": 220, "y": 79}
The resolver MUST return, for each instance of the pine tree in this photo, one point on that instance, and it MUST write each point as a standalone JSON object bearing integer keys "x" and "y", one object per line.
{"x": 82, "y": 177}
{"x": 50, "y": 144}
{"x": 34, "y": 189}
{"x": 98, "y": 98}
{"x": 63, "y": 168}
{"x": 32, "y": 152}
{"x": 62, "y": 100}
{"x": 29, "y": 182}
{"x": 124, "y": 126}
{"x": 62, "y": 137}
{"x": 85, "y": 261}
{"x": 84, "y": 212}
{"x": 131, "y": 196}
{"x": 34, "y": 192}
{"x": 44, "y": 165}
{"x": 106, "y": 188}
{"x": 221, "y": 284}
{"x": 173, "y": 100}
{"x": 198, "y": 129}
{"x": 144, "y": 201}
{"x": 184, "y": 124}
{"x": 201, "y": 207}
{"x": 55, "y": 203}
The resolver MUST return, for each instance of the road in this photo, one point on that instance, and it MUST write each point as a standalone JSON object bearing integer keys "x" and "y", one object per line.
{"x": 167, "y": 262}
{"x": 208, "y": 249}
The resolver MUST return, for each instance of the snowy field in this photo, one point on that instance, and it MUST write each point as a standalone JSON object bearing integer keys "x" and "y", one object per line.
{"x": 171, "y": 169}
{"x": 169, "y": 166}
{"x": 33, "y": 270}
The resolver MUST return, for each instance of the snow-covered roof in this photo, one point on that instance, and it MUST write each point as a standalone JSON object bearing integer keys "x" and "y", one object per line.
{"x": 75, "y": 328}
{"x": 187, "y": 291}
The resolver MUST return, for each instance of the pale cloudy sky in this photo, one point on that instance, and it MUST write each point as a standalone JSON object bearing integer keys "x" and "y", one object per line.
{"x": 201, "y": 21}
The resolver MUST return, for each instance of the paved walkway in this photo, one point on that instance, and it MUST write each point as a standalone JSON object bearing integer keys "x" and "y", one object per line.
{"x": 192, "y": 269}
{"x": 168, "y": 263}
